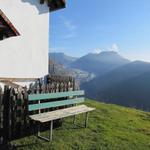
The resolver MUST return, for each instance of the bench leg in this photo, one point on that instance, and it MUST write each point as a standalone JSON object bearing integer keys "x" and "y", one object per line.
{"x": 74, "y": 119}
{"x": 38, "y": 129}
{"x": 86, "y": 119}
{"x": 50, "y": 133}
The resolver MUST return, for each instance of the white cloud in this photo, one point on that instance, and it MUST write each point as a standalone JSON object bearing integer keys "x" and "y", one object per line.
{"x": 97, "y": 50}
{"x": 70, "y": 35}
{"x": 114, "y": 47}
{"x": 69, "y": 25}
{"x": 57, "y": 49}
{"x": 70, "y": 28}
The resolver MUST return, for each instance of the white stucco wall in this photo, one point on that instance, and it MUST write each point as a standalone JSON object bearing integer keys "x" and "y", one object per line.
{"x": 25, "y": 56}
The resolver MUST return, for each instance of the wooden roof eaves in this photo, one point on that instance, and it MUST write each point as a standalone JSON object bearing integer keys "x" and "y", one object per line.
{"x": 54, "y": 7}
{"x": 9, "y": 23}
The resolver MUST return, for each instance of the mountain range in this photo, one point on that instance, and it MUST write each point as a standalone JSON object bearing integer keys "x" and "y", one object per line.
{"x": 101, "y": 63}
{"x": 128, "y": 85}
{"x": 61, "y": 58}
{"x": 116, "y": 79}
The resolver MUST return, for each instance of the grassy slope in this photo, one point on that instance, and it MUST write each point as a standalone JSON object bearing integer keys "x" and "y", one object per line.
{"x": 111, "y": 127}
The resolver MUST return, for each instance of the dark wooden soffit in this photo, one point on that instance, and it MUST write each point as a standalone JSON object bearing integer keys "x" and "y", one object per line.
{"x": 7, "y": 29}
{"x": 54, "y": 4}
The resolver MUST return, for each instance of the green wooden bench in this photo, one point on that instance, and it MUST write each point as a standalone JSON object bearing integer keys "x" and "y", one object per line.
{"x": 69, "y": 104}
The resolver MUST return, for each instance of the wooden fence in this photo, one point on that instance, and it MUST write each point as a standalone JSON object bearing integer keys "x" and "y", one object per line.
{"x": 14, "y": 122}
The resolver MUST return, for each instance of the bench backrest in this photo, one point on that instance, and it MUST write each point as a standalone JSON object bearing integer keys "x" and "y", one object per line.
{"x": 69, "y": 98}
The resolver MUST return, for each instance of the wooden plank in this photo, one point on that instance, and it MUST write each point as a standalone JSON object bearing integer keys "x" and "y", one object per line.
{"x": 9, "y": 83}
{"x": 61, "y": 113}
{"x": 43, "y": 115}
{"x": 6, "y": 115}
{"x": 18, "y": 79}
{"x": 55, "y": 104}
{"x": 35, "y": 97}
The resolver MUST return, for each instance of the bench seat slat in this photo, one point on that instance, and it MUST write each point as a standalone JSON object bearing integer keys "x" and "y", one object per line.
{"x": 45, "y": 105}
{"x": 36, "y": 97}
{"x": 61, "y": 113}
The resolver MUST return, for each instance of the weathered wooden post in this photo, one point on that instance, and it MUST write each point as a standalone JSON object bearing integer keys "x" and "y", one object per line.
{"x": 1, "y": 116}
{"x": 6, "y": 116}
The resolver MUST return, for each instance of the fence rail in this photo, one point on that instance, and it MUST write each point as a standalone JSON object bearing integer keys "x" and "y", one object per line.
{"x": 14, "y": 120}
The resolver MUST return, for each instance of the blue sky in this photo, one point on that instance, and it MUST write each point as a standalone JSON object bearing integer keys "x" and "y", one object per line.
{"x": 96, "y": 25}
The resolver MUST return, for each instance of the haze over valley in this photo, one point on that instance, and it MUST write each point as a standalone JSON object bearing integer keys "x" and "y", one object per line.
{"x": 108, "y": 77}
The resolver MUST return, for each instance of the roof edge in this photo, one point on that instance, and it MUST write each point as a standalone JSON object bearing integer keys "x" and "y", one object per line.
{"x": 54, "y": 4}
{"x": 9, "y": 23}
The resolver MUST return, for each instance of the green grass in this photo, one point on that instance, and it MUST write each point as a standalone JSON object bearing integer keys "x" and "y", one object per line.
{"x": 110, "y": 127}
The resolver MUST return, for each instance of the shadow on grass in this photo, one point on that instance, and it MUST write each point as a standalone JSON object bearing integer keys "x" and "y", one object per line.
{"x": 15, "y": 147}
{"x": 10, "y": 144}
{"x": 24, "y": 145}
